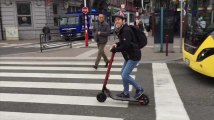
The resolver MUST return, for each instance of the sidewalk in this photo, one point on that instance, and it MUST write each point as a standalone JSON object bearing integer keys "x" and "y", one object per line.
{"x": 148, "y": 53}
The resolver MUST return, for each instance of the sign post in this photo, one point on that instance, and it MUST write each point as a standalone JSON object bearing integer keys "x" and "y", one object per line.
{"x": 85, "y": 11}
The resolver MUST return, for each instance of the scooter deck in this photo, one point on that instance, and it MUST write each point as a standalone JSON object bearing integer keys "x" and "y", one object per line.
{"x": 115, "y": 97}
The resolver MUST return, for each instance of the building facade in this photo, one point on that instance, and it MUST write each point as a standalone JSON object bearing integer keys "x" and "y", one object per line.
{"x": 28, "y": 17}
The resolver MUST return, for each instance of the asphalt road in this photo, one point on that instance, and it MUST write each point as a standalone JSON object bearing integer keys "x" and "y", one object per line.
{"x": 55, "y": 86}
{"x": 22, "y": 93}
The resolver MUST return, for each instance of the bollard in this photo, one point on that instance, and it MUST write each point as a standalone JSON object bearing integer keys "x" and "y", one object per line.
{"x": 167, "y": 39}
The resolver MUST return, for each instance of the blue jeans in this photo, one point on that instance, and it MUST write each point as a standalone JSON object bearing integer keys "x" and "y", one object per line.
{"x": 127, "y": 68}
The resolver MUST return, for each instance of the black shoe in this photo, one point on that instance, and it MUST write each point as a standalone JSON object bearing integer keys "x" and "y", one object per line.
{"x": 139, "y": 94}
{"x": 94, "y": 66}
{"x": 122, "y": 95}
{"x": 106, "y": 64}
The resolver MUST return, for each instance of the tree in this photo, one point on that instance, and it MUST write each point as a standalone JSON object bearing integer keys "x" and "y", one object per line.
{"x": 100, "y": 5}
{"x": 138, "y": 3}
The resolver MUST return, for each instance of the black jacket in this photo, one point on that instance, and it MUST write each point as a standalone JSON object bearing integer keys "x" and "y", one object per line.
{"x": 129, "y": 49}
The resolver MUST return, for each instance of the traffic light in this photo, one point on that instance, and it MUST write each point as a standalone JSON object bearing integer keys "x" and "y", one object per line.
{"x": 138, "y": 3}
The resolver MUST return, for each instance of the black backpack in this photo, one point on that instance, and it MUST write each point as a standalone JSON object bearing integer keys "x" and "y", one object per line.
{"x": 140, "y": 36}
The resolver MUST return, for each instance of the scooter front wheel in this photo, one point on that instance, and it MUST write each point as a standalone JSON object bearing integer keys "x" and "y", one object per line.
{"x": 101, "y": 97}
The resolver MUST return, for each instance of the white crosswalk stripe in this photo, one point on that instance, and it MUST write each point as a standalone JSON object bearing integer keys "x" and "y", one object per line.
{"x": 57, "y": 75}
{"x": 39, "y": 116}
{"x": 79, "y": 63}
{"x": 55, "y": 85}
{"x": 171, "y": 108}
{"x": 59, "y": 99}
{"x": 58, "y": 68}
{"x": 29, "y": 68}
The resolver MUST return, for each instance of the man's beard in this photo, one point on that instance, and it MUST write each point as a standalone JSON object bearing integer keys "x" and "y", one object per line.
{"x": 118, "y": 26}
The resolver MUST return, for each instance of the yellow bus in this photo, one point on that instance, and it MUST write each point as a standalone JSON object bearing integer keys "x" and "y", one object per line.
{"x": 198, "y": 43}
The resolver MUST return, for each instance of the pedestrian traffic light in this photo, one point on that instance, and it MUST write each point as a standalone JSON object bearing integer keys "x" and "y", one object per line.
{"x": 138, "y": 3}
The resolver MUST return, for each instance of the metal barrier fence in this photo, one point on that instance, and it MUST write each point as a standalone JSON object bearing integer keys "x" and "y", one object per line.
{"x": 53, "y": 40}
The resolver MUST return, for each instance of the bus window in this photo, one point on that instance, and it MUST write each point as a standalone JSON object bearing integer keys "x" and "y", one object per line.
{"x": 199, "y": 23}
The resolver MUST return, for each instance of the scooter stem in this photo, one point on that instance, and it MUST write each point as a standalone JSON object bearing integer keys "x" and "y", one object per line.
{"x": 108, "y": 71}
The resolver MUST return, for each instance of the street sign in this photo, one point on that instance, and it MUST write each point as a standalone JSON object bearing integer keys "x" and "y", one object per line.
{"x": 85, "y": 10}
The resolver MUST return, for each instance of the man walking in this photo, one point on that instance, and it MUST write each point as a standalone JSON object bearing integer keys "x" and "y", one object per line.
{"x": 102, "y": 31}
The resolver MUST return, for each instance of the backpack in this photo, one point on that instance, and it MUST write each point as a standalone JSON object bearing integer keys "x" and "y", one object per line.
{"x": 141, "y": 39}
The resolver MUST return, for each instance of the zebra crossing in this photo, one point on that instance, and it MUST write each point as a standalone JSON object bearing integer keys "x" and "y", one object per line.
{"x": 75, "y": 44}
{"x": 33, "y": 77}
{"x": 66, "y": 88}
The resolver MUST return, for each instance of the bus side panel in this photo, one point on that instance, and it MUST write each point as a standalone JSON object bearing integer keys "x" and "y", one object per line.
{"x": 206, "y": 66}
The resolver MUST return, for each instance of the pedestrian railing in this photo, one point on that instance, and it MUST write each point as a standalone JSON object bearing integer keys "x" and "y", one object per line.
{"x": 53, "y": 40}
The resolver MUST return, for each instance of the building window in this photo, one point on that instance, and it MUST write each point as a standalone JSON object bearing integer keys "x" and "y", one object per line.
{"x": 24, "y": 14}
{"x": 55, "y": 10}
{"x": 56, "y": 21}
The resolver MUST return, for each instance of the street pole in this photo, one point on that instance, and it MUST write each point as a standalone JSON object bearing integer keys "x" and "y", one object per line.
{"x": 181, "y": 25}
{"x": 47, "y": 9}
{"x": 86, "y": 27}
{"x": 161, "y": 29}
{"x": 2, "y": 33}
{"x": 137, "y": 17}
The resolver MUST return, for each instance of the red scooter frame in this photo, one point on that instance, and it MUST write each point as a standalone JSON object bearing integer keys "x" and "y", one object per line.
{"x": 102, "y": 96}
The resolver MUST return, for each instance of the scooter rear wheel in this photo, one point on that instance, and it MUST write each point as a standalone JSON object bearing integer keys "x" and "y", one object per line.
{"x": 144, "y": 100}
{"x": 101, "y": 97}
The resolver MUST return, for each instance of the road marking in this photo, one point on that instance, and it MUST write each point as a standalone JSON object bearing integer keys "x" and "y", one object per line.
{"x": 81, "y": 43}
{"x": 59, "y": 68}
{"x": 87, "y": 53}
{"x": 152, "y": 46}
{"x": 3, "y": 43}
{"x": 39, "y": 116}
{"x": 56, "y": 85}
{"x": 19, "y": 44}
{"x": 53, "y": 58}
{"x": 60, "y": 99}
{"x": 55, "y": 63}
{"x": 58, "y": 75}
{"x": 29, "y": 46}
{"x": 168, "y": 102}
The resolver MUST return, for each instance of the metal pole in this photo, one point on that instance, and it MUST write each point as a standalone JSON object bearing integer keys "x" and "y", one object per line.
{"x": 86, "y": 27}
{"x": 2, "y": 33}
{"x": 167, "y": 41}
{"x": 137, "y": 17}
{"x": 161, "y": 29}
{"x": 181, "y": 26}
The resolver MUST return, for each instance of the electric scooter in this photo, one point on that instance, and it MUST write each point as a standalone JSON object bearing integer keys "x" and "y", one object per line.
{"x": 102, "y": 96}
